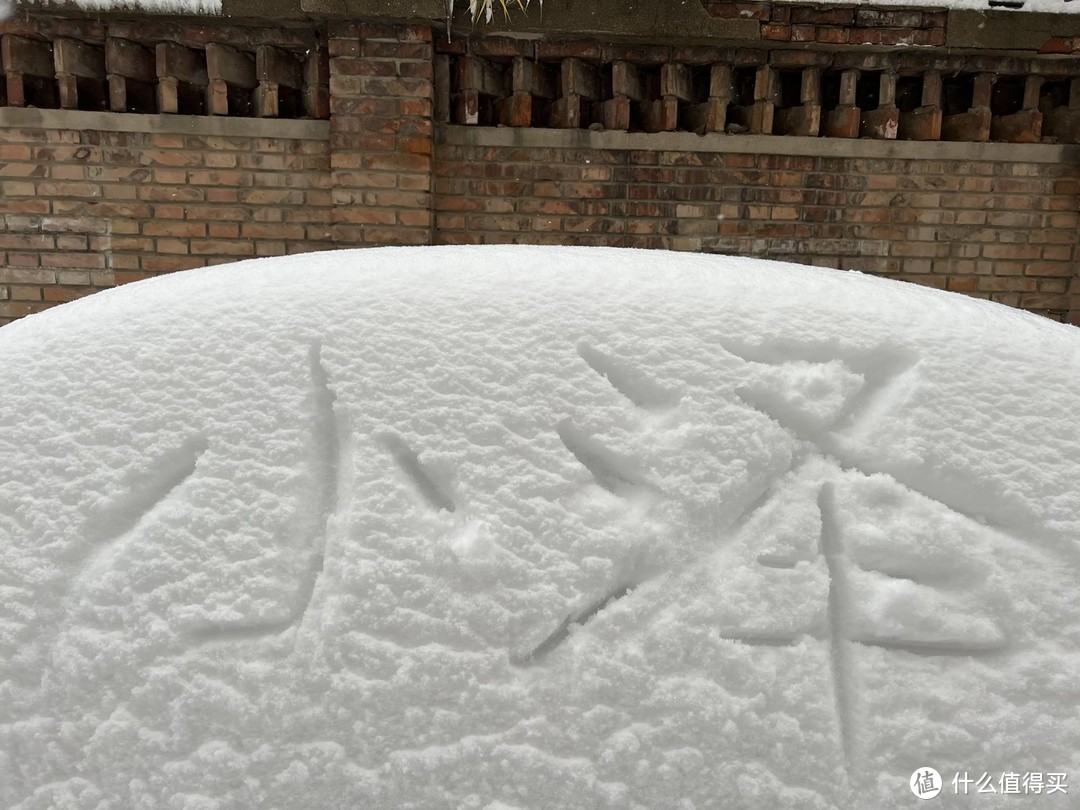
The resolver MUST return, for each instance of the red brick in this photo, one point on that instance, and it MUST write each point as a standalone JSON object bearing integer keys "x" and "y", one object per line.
{"x": 222, "y": 247}
{"x": 166, "y": 264}
{"x": 740, "y": 11}
{"x": 961, "y": 283}
{"x": 864, "y": 36}
{"x": 823, "y": 16}
{"x": 61, "y": 294}
{"x": 343, "y": 47}
{"x": 553, "y": 49}
{"x": 776, "y": 31}
{"x": 880, "y": 18}
{"x": 831, "y": 35}
{"x": 415, "y": 146}
{"x": 377, "y": 49}
{"x": 1058, "y": 45}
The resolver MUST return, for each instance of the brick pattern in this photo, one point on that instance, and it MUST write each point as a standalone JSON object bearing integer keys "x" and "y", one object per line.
{"x": 1005, "y": 232}
{"x": 904, "y": 94}
{"x": 381, "y": 99}
{"x": 83, "y": 211}
{"x": 837, "y": 25}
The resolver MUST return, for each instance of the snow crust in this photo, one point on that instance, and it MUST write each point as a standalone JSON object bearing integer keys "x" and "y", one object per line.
{"x": 534, "y": 528}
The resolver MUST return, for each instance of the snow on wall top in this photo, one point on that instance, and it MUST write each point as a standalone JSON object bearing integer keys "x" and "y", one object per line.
{"x": 534, "y": 527}
{"x": 151, "y": 6}
{"x": 214, "y": 6}
{"x": 1049, "y": 6}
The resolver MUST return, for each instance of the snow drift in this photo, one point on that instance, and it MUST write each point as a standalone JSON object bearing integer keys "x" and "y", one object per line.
{"x": 534, "y": 527}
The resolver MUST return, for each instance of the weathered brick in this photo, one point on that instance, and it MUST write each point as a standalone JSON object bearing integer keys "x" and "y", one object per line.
{"x": 776, "y": 31}
{"x": 832, "y": 35}
{"x": 222, "y": 247}
{"x": 26, "y": 275}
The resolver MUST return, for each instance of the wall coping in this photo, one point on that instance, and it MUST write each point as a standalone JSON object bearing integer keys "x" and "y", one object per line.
{"x": 32, "y": 118}
{"x": 684, "y": 22}
{"x": 536, "y": 138}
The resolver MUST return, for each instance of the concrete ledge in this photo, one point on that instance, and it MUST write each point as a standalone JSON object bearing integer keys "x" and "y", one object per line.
{"x": 756, "y": 144}
{"x": 1007, "y": 30}
{"x": 646, "y": 21}
{"x": 302, "y": 130}
{"x": 654, "y": 21}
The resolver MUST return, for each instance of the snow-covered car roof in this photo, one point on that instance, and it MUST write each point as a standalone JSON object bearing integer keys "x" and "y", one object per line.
{"x": 536, "y": 527}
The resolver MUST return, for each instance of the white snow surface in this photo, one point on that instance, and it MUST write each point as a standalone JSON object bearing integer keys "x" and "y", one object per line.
{"x": 534, "y": 528}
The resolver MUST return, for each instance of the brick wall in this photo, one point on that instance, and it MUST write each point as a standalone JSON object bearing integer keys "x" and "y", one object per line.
{"x": 381, "y": 99}
{"x": 90, "y": 199}
{"x": 83, "y": 209}
{"x": 995, "y": 221}
{"x": 837, "y": 25}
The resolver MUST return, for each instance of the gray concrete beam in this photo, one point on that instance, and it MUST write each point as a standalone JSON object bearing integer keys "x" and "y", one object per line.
{"x": 757, "y": 144}
{"x": 82, "y": 120}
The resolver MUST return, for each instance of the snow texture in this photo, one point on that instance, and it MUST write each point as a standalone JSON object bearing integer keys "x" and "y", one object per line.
{"x": 212, "y": 7}
{"x": 534, "y": 528}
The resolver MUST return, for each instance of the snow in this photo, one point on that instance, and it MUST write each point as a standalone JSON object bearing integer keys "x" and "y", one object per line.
{"x": 152, "y": 6}
{"x": 485, "y": 11}
{"x": 535, "y": 527}
{"x": 1044, "y": 6}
